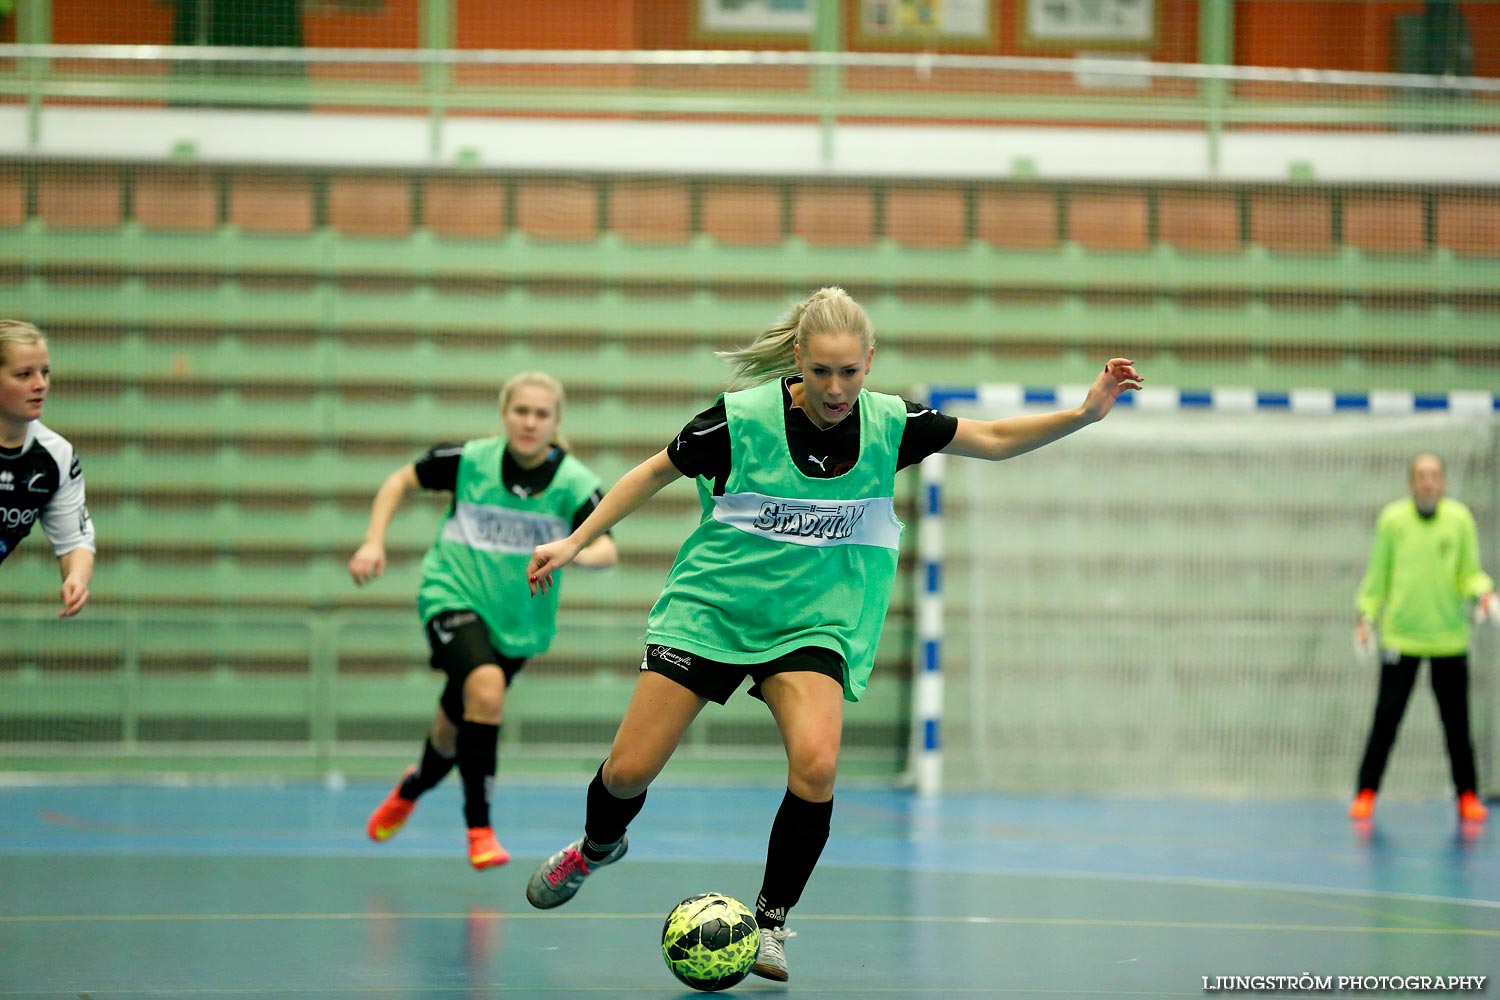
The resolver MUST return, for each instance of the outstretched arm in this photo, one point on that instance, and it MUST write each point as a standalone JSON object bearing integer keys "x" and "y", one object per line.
{"x": 1011, "y": 436}
{"x": 368, "y": 561}
{"x": 634, "y": 488}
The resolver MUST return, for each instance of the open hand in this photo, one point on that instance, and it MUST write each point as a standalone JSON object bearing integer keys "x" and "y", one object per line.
{"x": 1119, "y": 375}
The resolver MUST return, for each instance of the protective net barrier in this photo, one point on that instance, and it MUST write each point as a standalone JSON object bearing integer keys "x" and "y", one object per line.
{"x": 280, "y": 249}
{"x": 1164, "y": 604}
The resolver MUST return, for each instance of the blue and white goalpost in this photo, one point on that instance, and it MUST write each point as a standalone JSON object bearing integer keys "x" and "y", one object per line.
{"x": 1317, "y": 465}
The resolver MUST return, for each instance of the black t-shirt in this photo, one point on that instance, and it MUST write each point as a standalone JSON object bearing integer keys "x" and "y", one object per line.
{"x": 438, "y": 470}
{"x": 702, "y": 448}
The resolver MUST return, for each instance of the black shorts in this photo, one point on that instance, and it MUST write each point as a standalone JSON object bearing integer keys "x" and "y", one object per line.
{"x": 716, "y": 681}
{"x": 460, "y": 641}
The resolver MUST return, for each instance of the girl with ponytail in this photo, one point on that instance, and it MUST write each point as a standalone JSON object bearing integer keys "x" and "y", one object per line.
{"x": 774, "y": 353}
{"x": 786, "y": 579}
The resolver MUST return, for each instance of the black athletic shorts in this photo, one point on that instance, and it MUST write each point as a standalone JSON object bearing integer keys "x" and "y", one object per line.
{"x": 460, "y": 642}
{"x": 716, "y": 681}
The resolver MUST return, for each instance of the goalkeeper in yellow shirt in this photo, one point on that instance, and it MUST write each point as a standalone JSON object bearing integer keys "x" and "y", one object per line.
{"x": 1423, "y": 578}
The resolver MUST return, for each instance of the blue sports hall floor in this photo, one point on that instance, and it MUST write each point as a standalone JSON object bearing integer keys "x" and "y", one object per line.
{"x": 121, "y": 892}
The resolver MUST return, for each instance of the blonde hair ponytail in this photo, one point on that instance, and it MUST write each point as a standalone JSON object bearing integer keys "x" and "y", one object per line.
{"x": 542, "y": 381}
{"x": 772, "y": 354}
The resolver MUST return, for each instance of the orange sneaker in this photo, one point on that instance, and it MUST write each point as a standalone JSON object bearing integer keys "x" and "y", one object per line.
{"x": 1471, "y": 809}
{"x": 484, "y": 850}
{"x": 1363, "y": 804}
{"x": 391, "y": 814}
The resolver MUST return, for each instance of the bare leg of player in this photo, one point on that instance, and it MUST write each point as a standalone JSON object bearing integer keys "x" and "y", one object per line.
{"x": 659, "y": 714}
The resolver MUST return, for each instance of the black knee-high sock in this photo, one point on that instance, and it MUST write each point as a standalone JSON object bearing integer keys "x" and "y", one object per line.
{"x": 607, "y": 818}
{"x": 478, "y": 747}
{"x": 797, "y": 839}
{"x": 434, "y": 768}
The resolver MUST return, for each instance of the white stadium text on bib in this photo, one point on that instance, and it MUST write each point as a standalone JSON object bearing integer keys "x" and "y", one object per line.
{"x": 869, "y": 521}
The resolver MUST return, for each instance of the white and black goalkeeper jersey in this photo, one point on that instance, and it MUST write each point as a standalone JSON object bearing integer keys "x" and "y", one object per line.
{"x": 42, "y": 481}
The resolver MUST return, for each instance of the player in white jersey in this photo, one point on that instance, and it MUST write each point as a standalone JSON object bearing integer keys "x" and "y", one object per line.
{"x": 41, "y": 479}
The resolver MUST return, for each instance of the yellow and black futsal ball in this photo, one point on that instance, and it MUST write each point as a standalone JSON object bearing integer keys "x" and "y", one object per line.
{"x": 710, "y": 941}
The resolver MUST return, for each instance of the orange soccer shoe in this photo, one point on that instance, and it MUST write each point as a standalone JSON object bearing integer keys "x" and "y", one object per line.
{"x": 484, "y": 850}
{"x": 1363, "y": 805}
{"x": 1470, "y": 809}
{"x": 391, "y": 814}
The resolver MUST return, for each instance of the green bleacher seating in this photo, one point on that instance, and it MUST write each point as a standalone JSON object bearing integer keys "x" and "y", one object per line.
{"x": 243, "y": 354}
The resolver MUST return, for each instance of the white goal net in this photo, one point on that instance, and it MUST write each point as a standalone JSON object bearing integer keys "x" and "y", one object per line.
{"x": 1164, "y": 603}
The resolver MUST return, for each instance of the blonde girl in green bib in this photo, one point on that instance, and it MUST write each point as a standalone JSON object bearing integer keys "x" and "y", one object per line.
{"x": 786, "y": 579}
{"x": 510, "y": 493}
